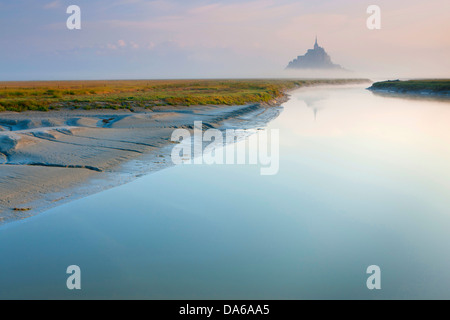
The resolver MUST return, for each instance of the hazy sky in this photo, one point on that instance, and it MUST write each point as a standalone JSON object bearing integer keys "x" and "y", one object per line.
{"x": 207, "y": 38}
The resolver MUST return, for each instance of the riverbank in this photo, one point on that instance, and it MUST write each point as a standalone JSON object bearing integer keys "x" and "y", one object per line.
{"x": 42, "y": 155}
{"x": 48, "y": 158}
{"x": 423, "y": 88}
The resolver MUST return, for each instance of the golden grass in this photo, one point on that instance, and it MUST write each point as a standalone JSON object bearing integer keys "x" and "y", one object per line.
{"x": 47, "y": 95}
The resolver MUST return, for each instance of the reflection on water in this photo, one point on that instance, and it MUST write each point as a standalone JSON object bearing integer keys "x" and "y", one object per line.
{"x": 313, "y": 100}
{"x": 366, "y": 183}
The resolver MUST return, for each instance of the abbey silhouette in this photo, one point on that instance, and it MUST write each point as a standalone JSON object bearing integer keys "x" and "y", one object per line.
{"x": 315, "y": 58}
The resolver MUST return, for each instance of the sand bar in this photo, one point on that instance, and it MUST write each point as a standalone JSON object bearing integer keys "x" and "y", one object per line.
{"x": 46, "y": 158}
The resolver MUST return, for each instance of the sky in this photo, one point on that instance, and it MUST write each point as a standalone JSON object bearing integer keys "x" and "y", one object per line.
{"x": 161, "y": 39}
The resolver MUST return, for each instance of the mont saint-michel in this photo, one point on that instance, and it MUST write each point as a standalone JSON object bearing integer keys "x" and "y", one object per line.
{"x": 316, "y": 58}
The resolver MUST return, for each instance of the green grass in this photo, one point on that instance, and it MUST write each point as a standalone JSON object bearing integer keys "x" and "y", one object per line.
{"x": 121, "y": 94}
{"x": 433, "y": 86}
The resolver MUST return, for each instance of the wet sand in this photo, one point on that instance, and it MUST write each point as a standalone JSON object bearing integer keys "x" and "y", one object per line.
{"x": 48, "y": 158}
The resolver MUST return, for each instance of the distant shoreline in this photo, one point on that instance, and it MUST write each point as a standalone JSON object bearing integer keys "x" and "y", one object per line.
{"x": 419, "y": 88}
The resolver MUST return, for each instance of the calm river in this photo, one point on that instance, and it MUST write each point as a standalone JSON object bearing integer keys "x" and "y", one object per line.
{"x": 363, "y": 180}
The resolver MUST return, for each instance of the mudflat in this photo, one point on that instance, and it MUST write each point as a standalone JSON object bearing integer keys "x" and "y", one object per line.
{"x": 47, "y": 157}
{"x": 111, "y": 131}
